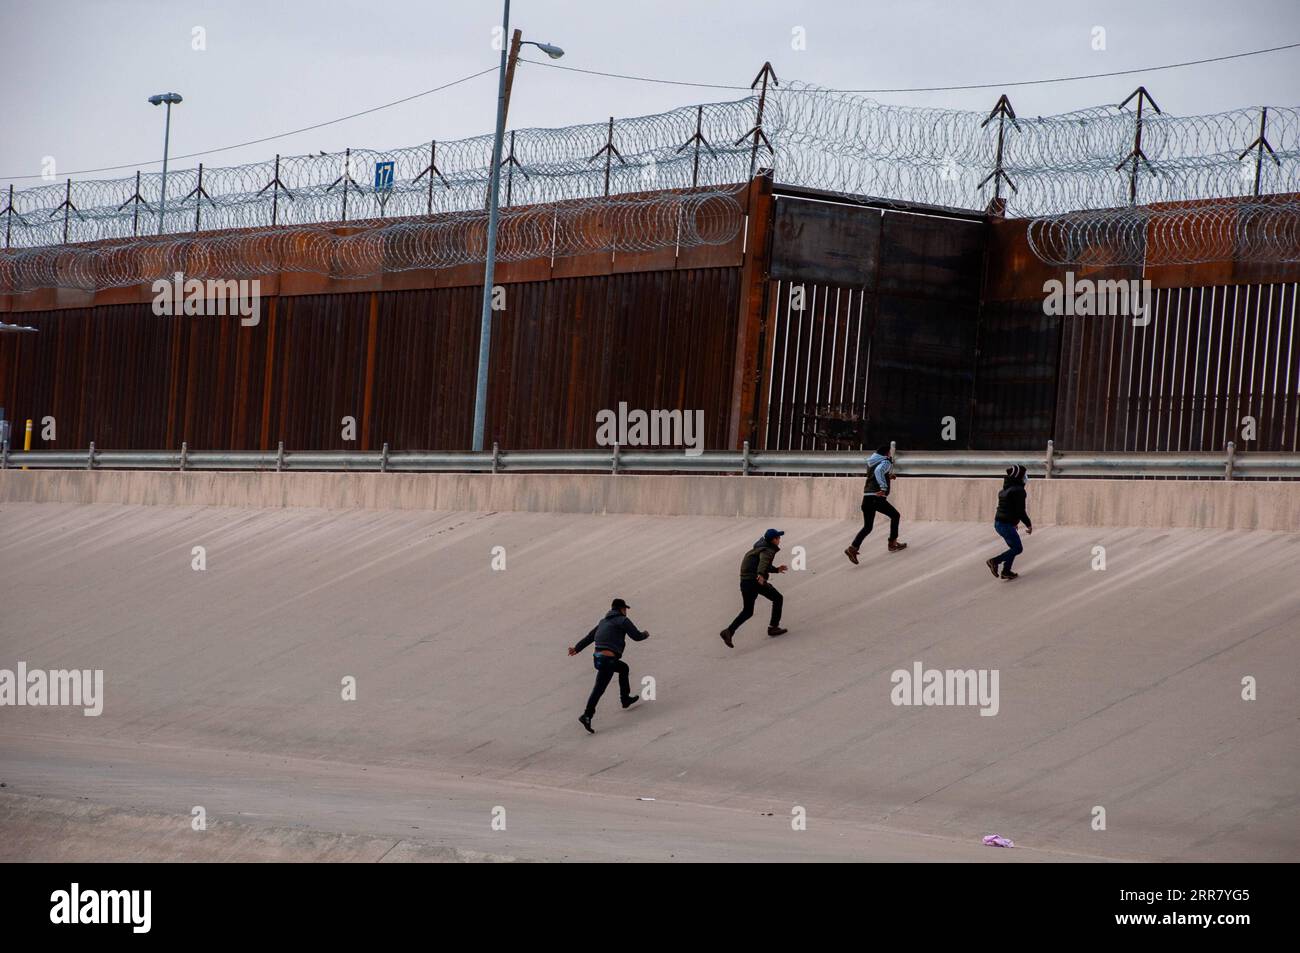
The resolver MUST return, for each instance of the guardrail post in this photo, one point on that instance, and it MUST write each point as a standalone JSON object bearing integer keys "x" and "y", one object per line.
{"x": 496, "y": 456}
{"x": 185, "y": 455}
{"x": 614, "y": 462}
{"x": 1232, "y": 454}
{"x": 744, "y": 460}
{"x": 893, "y": 450}
{"x": 1051, "y": 458}
{"x": 383, "y": 459}
{"x": 4, "y": 455}
{"x": 279, "y": 458}
{"x": 90, "y": 457}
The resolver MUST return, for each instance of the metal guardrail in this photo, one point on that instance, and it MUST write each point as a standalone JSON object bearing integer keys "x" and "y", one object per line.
{"x": 1227, "y": 465}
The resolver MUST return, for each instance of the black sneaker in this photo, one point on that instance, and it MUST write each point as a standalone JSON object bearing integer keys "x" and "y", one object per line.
{"x": 993, "y": 566}
{"x": 631, "y": 700}
{"x": 586, "y": 723}
{"x": 1009, "y": 575}
{"x": 726, "y": 635}
{"x": 775, "y": 630}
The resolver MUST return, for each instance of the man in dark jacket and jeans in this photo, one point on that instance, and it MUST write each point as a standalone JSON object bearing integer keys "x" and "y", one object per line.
{"x": 610, "y": 636}
{"x": 1011, "y": 512}
{"x": 755, "y": 567}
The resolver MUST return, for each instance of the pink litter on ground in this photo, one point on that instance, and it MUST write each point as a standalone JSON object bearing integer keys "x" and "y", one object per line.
{"x": 997, "y": 840}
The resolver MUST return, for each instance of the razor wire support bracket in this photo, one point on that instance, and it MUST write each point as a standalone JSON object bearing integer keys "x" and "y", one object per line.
{"x": 1002, "y": 111}
{"x": 1136, "y": 155}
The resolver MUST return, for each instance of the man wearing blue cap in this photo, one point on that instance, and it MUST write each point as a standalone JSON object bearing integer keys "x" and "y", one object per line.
{"x": 754, "y": 570}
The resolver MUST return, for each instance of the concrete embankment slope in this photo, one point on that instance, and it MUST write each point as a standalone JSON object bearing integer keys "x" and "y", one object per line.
{"x": 1118, "y": 688}
{"x": 1161, "y": 504}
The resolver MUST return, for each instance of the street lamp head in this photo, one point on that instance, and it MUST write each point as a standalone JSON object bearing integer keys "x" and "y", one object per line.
{"x": 554, "y": 52}
{"x": 169, "y": 98}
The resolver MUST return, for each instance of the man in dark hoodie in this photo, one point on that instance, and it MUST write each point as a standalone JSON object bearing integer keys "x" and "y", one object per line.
{"x": 610, "y": 636}
{"x": 875, "y": 499}
{"x": 1011, "y": 512}
{"x": 755, "y": 566}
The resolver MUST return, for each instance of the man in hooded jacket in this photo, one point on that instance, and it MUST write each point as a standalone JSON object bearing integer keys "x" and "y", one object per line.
{"x": 1011, "y": 512}
{"x": 875, "y": 499}
{"x": 755, "y": 566}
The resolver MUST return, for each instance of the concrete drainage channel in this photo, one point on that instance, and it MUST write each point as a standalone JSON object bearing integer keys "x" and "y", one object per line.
{"x": 1196, "y": 504}
{"x": 46, "y": 829}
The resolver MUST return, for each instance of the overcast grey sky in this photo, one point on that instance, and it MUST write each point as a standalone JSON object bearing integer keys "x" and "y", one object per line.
{"x": 79, "y": 71}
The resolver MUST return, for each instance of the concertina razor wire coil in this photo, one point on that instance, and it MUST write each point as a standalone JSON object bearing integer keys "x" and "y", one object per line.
{"x": 673, "y": 183}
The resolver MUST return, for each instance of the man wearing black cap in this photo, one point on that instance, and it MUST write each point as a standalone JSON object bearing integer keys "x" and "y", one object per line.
{"x": 875, "y": 499}
{"x": 1011, "y": 512}
{"x": 609, "y": 635}
{"x": 754, "y": 569}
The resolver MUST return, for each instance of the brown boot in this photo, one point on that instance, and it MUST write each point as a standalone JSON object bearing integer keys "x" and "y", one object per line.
{"x": 852, "y": 553}
{"x": 726, "y": 637}
{"x": 895, "y": 546}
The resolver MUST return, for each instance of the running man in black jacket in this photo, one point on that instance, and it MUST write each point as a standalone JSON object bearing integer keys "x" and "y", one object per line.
{"x": 755, "y": 567}
{"x": 875, "y": 499}
{"x": 1011, "y": 511}
{"x": 609, "y": 635}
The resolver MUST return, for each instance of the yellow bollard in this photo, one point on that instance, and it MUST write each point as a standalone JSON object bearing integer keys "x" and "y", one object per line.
{"x": 27, "y": 439}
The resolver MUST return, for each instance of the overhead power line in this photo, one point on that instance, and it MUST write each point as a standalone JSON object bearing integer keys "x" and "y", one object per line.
{"x": 672, "y": 82}
{"x": 933, "y": 89}
{"x": 282, "y": 135}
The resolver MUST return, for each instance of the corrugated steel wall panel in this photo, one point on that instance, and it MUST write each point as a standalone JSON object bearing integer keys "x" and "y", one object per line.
{"x": 1210, "y": 358}
{"x": 1015, "y": 378}
{"x": 401, "y": 363}
{"x": 896, "y": 349}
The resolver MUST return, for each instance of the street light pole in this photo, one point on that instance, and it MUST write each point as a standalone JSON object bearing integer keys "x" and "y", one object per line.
{"x": 168, "y": 99}
{"x": 509, "y": 57}
{"x": 494, "y": 181}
